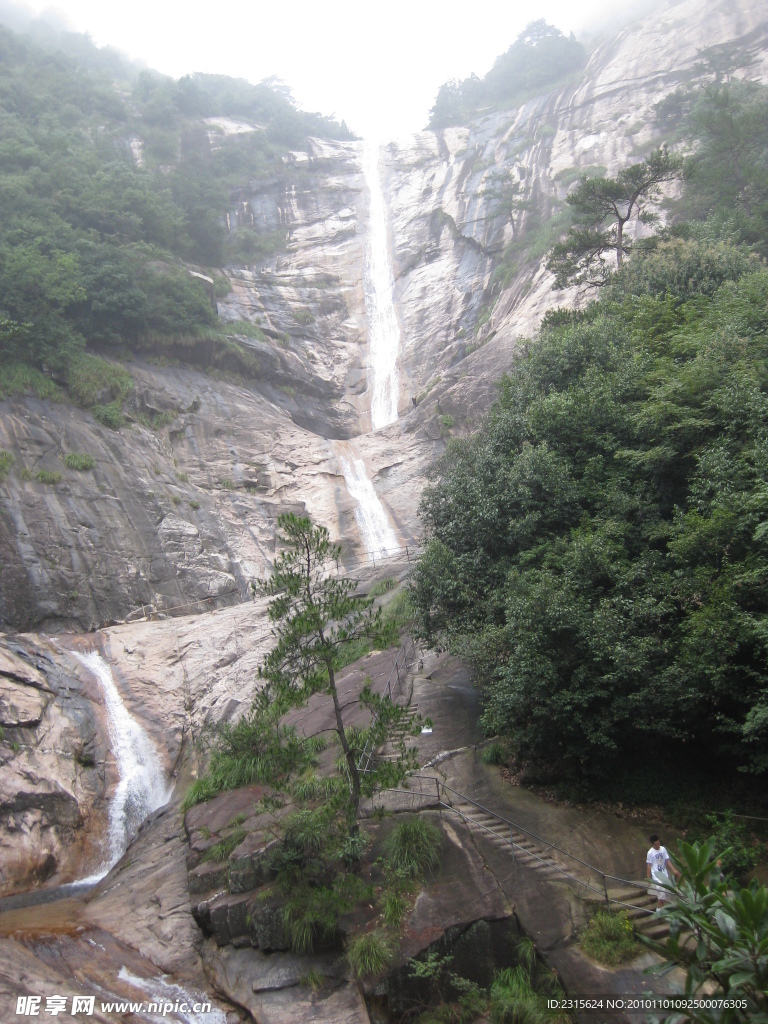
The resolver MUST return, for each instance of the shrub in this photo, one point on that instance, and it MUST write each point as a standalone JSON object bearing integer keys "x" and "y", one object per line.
{"x": 731, "y": 836}
{"x": 76, "y": 460}
{"x": 370, "y": 955}
{"x": 6, "y": 461}
{"x": 46, "y": 476}
{"x": 175, "y": 499}
{"x": 110, "y": 415}
{"x": 194, "y": 504}
{"x": 413, "y": 848}
{"x": 252, "y": 750}
{"x": 609, "y": 939}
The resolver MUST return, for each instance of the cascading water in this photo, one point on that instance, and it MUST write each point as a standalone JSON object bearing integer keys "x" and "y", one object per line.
{"x": 372, "y": 520}
{"x": 378, "y": 284}
{"x": 169, "y": 994}
{"x": 143, "y": 787}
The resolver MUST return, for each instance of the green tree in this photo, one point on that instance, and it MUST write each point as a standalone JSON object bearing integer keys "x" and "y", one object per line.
{"x": 603, "y": 207}
{"x": 598, "y": 549}
{"x": 727, "y": 175}
{"x": 316, "y": 618}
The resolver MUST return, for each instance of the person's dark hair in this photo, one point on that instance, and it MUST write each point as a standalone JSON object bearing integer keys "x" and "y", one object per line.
{"x": 654, "y": 838}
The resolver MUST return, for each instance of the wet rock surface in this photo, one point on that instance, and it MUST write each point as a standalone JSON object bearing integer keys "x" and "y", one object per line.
{"x": 54, "y": 752}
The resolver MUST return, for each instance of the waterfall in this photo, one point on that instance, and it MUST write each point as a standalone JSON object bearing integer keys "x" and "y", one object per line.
{"x": 378, "y": 284}
{"x": 174, "y": 999}
{"x": 376, "y": 530}
{"x": 143, "y": 787}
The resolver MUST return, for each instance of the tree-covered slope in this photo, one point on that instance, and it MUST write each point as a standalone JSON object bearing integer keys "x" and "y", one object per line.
{"x": 599, "y": 548}
{"x": 108, "y": 191}
{"x": 539, "y": 59}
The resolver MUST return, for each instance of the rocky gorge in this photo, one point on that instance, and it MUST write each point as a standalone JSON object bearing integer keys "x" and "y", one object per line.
{"x": 147, "y": 558}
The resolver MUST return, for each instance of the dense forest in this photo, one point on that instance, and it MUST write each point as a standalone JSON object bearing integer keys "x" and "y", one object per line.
{"x": 540, "y": 58}
{"x": 113, "y": 185}
{"x": 598, "y": 550}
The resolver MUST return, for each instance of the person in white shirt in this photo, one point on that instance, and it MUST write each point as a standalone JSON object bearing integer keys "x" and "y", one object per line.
{"x": 658, "y": 869}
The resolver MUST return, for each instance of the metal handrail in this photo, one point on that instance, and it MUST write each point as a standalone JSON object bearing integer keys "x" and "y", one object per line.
{"x": 604, "y": 876}
{"x": 367, "y": 754}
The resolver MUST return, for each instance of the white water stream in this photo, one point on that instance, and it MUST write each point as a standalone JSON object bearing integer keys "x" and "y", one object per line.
{"x": 143, "y": 787}
{"x": 172, "y": 997}
{"x": 373, "y": 522}
{"x": 378, "y": 284}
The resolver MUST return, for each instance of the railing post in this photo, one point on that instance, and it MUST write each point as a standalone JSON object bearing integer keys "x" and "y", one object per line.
{"x": 512, "y": 843}
{"x": 605, "y": 890}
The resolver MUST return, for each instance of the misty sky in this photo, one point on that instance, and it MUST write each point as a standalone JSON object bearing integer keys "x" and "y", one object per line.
{"x": 376, "y": 64}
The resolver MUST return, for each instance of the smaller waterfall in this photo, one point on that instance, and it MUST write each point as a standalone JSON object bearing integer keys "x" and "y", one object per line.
{"x": 375, "y": 528}
{"x": 378, "y": 284}
{"x": 169, "y": 994}
{"x": 143, "y": 787}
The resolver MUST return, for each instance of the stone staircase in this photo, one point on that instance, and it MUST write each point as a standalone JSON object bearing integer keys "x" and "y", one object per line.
{"x": 553, "y": 865}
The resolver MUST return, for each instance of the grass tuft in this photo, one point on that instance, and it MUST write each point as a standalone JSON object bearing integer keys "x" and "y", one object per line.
{"x": 226, "y": 846}
{"x": 79, "y": 461}
{"x": 371, "y": 955}
{"x": 494, "y": 754}
{"x": 413, "y": 848}
{"x": 610, "y": 939}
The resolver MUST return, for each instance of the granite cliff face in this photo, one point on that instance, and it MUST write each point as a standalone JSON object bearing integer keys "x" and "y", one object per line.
{"x": 183, "y": 516}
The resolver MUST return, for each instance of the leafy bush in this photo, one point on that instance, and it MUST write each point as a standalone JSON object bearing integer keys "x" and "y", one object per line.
{"x": 412, "y": 848}
{"x": 79, "y": 461}
{"x": 110, "y": 415}
{"x": 729, "y": 958}
{"x": 370, "y": 955}
{"x": 609, "y": 939}
{"x": 739, "y": 854}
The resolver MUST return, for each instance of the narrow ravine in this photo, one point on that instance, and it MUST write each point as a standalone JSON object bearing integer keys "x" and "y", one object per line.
{"x": 143, "y": 786}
